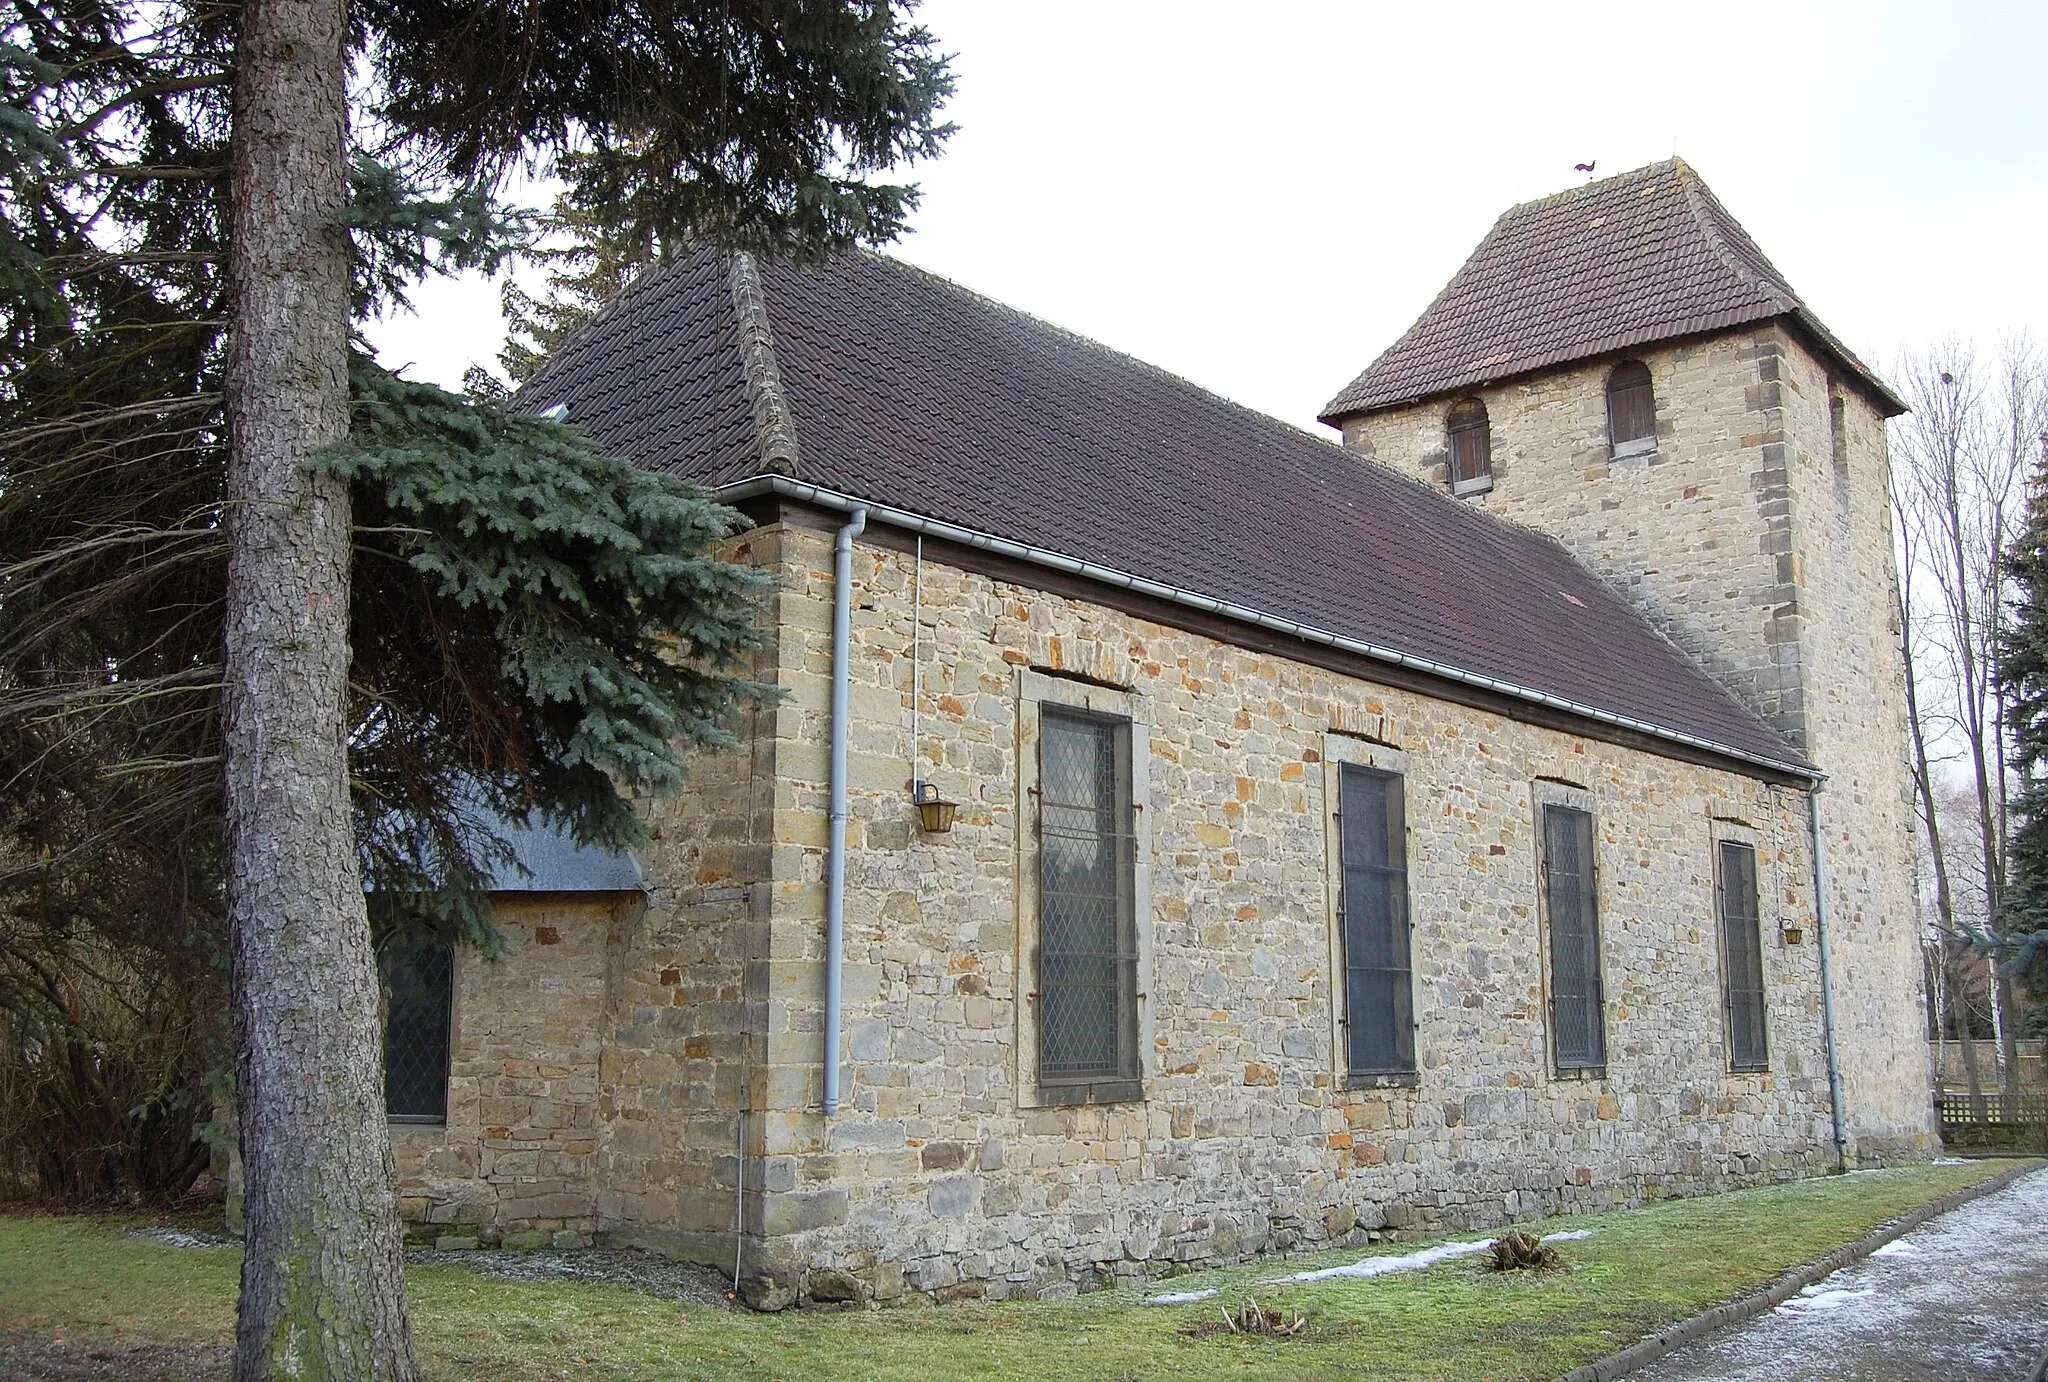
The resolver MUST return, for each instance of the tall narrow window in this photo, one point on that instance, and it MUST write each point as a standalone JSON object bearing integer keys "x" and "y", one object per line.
{"x": 1631, "y": 410}
{"x": 1578, "y": 1037}
{"x": 1379, "y": 1003}
{"x": 1742, "y": 957}
{"x": 1470, "y": 442}
{"x": 1087, "y": 924}
{"x": 419, "y": 996}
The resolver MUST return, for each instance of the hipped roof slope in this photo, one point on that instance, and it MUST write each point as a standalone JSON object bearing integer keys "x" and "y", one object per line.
{"x": 905, "y": 390}
{"x": 1649, "y": 255}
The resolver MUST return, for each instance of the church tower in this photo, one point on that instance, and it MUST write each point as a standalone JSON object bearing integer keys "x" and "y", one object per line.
{"x": 1619, "y": 366}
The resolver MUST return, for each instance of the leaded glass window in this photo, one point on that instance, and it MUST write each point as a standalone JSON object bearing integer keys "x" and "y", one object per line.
{"x": 1379, "y": 1004}
{"x": 1742, "y": 957}
{"x": 418, "y": 1001}
{"x": 1578, "y": 1038}
{"x": 1087, "y": 927}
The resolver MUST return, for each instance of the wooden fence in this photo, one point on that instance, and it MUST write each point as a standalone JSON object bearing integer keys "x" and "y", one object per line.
{"x": 2017, "y": 1122}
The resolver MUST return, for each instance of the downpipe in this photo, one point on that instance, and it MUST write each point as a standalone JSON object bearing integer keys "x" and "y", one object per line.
{"x": 1827, "y": 973}
{"x": 835, "y": 848}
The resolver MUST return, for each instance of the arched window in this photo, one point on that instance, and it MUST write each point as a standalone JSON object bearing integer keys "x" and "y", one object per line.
{"x": 1471, "y": 446}
{"x": 1631, "y": 410}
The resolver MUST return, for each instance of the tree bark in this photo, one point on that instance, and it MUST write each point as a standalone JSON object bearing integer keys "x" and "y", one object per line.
{"x": 323, "y": 1291}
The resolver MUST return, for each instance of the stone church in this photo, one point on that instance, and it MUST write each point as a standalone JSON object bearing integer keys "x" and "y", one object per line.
{"x": 1180, "y": 836}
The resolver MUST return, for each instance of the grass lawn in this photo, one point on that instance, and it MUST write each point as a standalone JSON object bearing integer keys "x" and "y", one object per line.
{"x": 85, "y": 1282}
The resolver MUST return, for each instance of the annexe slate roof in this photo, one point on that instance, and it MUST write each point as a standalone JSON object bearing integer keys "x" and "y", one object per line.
{"x": 548, "y": 859}
{"x": 1649, "y": 255}
{"x": 905, "y": 390}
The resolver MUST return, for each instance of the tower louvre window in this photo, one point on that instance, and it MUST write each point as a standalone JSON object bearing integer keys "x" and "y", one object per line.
{"x": 1470, "y": 441}
{"x": 1631, "y": 409}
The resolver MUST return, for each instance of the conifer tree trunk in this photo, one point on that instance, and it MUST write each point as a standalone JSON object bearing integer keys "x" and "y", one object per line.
{"x": 323, "y": 1295}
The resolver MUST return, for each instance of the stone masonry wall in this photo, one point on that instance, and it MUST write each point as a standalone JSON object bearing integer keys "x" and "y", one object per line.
{"x": 1854, "y": 674}
{"x": 1757, "y": 536}
{"x": 515, "y": 1160}
{"x": 683, "y": 1058}
{"x": 940, "y": 1178}
{"x": 600, "y": 1070}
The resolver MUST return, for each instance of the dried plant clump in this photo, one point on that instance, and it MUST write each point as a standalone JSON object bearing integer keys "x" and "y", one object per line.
{"x": 1516, "y": 1251}
{"x": 1250, "y": 1318}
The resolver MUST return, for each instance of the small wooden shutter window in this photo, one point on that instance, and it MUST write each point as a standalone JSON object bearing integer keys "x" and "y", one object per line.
{"x": 1631, "y": 407}
{"x": 1742, "y": 957}
{"x": 1578, "y": 1037}
{"x": 1471, "y": 445}
{"x": 1379, "y": 1002}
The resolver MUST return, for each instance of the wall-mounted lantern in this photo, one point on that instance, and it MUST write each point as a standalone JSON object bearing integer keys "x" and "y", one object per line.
{"x": 934, "y": 815}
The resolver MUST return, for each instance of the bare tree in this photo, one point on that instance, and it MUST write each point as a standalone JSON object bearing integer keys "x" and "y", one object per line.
{"x": 1949, "y": 951}
{"x": 1960, "y": 461}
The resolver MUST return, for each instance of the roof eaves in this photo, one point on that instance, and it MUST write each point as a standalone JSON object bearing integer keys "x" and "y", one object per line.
{"x": 1536, "y": 364}
{"x": 1790, "y": 768}
{"x": 1887, "y": 399}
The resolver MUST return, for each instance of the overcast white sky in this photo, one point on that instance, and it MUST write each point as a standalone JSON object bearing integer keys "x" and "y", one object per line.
{"x": 1261, "y": 197}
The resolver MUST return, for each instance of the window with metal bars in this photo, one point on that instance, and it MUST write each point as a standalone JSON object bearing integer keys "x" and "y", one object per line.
{"x": 1470, "y": 442}
{"x": 1087, "y": 924}
{"x": 1577, "y": 1025}
{"x": 1631, "y": 410}
{"x": 1379, "y": 1001}
{"x": 1742, "y": 957}
{"x": 418, "y": 1001}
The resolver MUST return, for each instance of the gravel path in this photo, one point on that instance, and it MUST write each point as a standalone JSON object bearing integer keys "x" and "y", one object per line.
{"x": 1962, "y": 1298}
{"x": 628, "y": 1267}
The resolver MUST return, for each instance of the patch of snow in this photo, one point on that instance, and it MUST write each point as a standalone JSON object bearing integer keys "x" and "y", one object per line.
{"x": 1950, "y": 1161}
{"x": 1415, "y": 1261}
{"x": 1898, "y": 1247}
{"x": 1180, "y": 1298}
{"x": 173, "y": 1238}
{"x": 1820, "y": 1299}
{"x": 1387, "y": 1266}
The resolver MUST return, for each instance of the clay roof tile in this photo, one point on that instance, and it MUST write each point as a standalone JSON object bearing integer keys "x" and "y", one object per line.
{"x": 1650, "y": 255}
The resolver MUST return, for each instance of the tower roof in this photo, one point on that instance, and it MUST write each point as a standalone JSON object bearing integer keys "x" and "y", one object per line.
{"x": 1646, "y": 256}
{"x": 865, "y": 380}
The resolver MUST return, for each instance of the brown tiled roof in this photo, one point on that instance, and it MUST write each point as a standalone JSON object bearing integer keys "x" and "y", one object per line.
{"x": 907, "y": 391}
{"x": 1647, "y": 256}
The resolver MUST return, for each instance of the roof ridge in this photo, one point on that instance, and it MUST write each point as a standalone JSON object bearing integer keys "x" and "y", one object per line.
{"x": 1320, "y": 438}
{"x": 1329, "y": 412}
{"x": 1673, "y": 164}
{"x": 774, "y": 425}
{"x": 1702, "y": 205}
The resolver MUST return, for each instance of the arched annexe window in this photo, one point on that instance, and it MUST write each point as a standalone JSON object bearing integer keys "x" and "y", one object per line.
{"x": 1631, "y": 410}
{"x": 1470, "y": 443}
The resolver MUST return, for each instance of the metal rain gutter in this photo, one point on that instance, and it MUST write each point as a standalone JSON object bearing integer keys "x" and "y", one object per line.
{"x": 1056, "y": 561}
{"x": 1827, "y": 977}
{"x": 835, "y": 855}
